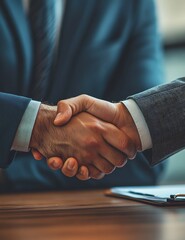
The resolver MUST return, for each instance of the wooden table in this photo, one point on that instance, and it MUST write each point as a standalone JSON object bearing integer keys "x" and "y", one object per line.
{"x": 86, "y": 215}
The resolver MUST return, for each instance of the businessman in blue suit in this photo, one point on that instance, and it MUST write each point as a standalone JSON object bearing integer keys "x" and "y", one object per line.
{"x": 108, "y": 49}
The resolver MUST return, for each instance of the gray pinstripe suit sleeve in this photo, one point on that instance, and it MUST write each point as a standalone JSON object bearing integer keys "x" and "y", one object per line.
{"x": 164, "y": 110}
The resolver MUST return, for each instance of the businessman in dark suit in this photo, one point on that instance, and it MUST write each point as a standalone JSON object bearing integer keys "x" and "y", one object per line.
{"x": 108, "y": 49}
{"x": 153, "y": 119}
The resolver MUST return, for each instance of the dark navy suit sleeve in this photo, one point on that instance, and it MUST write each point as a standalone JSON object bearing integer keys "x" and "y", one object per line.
{"x": 12, "y": 108}
{"x": 164, "y": 110}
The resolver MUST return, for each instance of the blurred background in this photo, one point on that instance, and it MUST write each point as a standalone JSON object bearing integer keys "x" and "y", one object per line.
{"x": 172, "y": 27}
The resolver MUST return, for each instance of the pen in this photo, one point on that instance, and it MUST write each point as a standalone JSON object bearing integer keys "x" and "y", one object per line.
{"x": 143, "y": 194}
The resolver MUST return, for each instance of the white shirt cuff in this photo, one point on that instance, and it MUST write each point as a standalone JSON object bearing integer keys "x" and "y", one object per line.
{"x": 139, "y": 120}
{"x": 24, "y": 131}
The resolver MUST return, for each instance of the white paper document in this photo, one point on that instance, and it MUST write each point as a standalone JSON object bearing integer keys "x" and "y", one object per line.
{"x": 158, "y": 195}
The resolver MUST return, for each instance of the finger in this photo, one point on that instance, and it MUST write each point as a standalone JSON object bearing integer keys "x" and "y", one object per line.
{"x": 36, "y": 154}
{"x": 55, "y": 163}
{"x": 83, "y": 173}
{"x": 120, "y": 140}
{"x": 112, "y": 155}
{"x": 124, "y": 163}
{"x": 133, "y": 156}
{"x": 95, "y": 173}
{"x": 102, "y": 164}
{"x": 70, "y": 167}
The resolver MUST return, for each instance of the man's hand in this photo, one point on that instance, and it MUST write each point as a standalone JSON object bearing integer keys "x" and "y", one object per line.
{"x": 94, "y": 143}
{"x": 116, "y": 114}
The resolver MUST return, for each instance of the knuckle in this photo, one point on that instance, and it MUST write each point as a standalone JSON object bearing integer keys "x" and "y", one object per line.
{"x": 61, "y": 104}
{"x": 83, "y": 96}
{"x": 133, "y": 155}
{"x": 107, "y": 169}
{"x": 96, "y": 126}
{"x": 86, "y": 97}
{"x": 103, "y": 129}
{"x": 125, "y": 143}
{"x": 121, "y": 161}
{"x": 92, "y": 143}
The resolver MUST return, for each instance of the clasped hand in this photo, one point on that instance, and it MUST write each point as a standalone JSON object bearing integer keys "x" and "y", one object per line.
{"x": 89, "y": 137}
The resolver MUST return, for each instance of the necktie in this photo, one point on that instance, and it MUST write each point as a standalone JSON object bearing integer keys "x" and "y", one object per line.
{"x": 42, "y": 23}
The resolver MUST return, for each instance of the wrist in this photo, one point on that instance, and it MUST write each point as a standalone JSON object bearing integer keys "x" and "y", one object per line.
{"x": 130, "y": 127}
{"x": 44, "y": 120}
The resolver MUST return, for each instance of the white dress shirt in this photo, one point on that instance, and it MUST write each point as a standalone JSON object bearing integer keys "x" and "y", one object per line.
{"x": 24, "y": 131}
{"x": 139, "y": 120}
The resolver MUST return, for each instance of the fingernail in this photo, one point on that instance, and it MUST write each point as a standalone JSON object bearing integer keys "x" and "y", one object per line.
{"x": 55, "y": 164}
{"x": 70, "y": 165}
{"x": 81, "y": 172}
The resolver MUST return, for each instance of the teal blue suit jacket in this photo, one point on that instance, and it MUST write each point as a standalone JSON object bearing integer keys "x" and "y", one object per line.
{"x": 107, "y": 49}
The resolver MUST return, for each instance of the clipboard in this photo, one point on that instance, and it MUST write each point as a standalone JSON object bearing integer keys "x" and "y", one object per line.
{"x": 166, "y": 195}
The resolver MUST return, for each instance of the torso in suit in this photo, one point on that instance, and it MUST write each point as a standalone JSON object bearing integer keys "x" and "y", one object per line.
{"x": 107, "y": 49}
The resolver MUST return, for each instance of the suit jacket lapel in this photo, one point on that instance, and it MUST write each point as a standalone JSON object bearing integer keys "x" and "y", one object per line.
{"x": 20, "y": 32}
{"x": 75, "y": 23}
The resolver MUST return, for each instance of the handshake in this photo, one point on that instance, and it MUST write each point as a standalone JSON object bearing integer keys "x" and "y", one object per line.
{"x": 85, "y": 137}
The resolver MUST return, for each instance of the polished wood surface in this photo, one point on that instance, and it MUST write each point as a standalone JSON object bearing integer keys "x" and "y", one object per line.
{"x": 86, "y": 215}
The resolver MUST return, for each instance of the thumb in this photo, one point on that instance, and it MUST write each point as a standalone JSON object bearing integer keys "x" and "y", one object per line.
{"x": 70, "y": 107}
{"x": 64, "y": 113}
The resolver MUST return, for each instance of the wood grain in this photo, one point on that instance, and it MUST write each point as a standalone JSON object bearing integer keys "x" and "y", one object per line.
{"x": 86, "y": 215}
